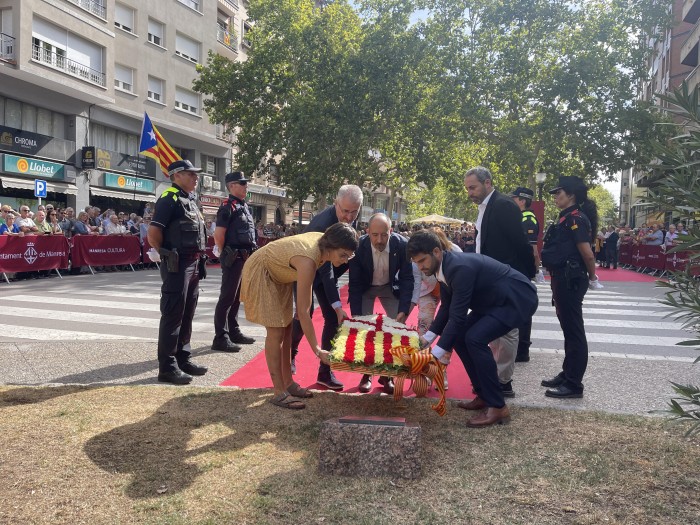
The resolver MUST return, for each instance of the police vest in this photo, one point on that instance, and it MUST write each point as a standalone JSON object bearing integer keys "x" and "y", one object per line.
{"x": 559, "y": 245}
{"x": 186, "y": 234}
{"x": 529, "y": 216}
{"x": 240, "y": 232}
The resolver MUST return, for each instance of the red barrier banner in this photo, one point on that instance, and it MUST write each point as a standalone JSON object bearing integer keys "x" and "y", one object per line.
{"x": 105, "y": 250}
{"x": 654, "y": 257}
{"x": 624, "y": 254}
{"x": 638, "y": 258}
{"x": 33, "y": 252}
{"x": 677, "y": 262}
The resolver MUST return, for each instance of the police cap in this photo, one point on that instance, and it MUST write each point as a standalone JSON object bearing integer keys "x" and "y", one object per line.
{"x": 523, "y": 193}
{"x": 236, "y": 176}
{"x": 181, "y": 165}
{"x": 569, "y": 184}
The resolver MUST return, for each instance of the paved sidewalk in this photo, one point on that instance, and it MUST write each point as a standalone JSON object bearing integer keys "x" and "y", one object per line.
{"x": 632, "y": 384}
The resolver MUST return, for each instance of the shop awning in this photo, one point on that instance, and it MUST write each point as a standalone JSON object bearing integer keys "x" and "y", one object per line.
{"x": 129, "y": 196}
{"x": 28, "y": 184}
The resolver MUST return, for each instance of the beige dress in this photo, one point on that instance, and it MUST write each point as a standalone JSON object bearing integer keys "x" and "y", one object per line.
{"x": 268, "y": 278}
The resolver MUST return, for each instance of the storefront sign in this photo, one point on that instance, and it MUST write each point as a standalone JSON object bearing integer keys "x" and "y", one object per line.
{"x": 125, "y": 182}
{"x": 113, "y": 160}
{"x": 33, "y": 167}
{"x": 210, "y": 200}
{"x": 20, "y": 141}
{"x": 267, "y": 190}
{"x": 88, "y": 158}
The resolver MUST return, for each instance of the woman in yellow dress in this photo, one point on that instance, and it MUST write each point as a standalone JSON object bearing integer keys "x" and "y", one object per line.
{"x": 267, "y": 291}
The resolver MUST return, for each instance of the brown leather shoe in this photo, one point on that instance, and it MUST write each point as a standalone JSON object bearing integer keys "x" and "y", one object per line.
{"x": 365, "y": 384}
{"x": 492, "y": 416}
{"x": 475, "y": 404}
{"x": 387, "y": 384}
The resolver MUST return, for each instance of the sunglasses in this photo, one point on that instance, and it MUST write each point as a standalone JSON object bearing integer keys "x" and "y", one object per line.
{"x": 242, "y": 182}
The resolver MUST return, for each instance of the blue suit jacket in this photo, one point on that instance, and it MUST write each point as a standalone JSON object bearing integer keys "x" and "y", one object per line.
{"x": 327, "y": 276}
{"x": 485, "y": 286}
{"x": 362, "y": 271}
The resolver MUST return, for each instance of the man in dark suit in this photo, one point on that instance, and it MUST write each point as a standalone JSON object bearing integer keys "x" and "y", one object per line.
{"x": 346, "y": 208}
{"x": 481, "y": 300}
{"x": 381, "y": 270}
{"x": 501, "y": 237}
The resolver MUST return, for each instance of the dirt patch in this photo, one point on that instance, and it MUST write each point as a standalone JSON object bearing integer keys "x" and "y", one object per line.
{"x": 169, "y": 455}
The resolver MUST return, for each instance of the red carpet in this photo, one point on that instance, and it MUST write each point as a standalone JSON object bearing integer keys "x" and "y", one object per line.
{"x": 624, "y": 276}
{"x": 255, "y": 374}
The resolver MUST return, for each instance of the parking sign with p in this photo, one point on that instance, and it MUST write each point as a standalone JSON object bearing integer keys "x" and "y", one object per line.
{"x": 40, "y": 188}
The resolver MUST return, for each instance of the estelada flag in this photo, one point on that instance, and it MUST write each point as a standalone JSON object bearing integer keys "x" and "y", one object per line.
{"x": 155, "y": 146}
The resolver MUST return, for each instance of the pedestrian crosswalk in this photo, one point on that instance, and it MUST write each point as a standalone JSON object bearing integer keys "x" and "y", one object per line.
{"x": 125, "y": 307}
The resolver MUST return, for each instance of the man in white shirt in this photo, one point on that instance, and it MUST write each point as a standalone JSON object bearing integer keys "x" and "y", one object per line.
{"x": 25, "y": 223}
{"x": 381, "y": 270}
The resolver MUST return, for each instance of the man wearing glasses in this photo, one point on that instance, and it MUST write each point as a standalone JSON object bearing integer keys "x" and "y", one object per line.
{"x": 346, "y": 208}
{"x": 236, "y": 238}
{"x": 25, "y": 223}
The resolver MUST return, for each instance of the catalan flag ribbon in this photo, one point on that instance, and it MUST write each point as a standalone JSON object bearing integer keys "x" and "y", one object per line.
{"x": 155, "y": 146}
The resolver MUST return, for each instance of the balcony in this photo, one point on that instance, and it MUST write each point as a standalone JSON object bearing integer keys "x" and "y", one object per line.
{"x": 71, "y": 67}
{"x": 227, "y": 39}
{"x": 693, "y": 79}
{"x": 691, "y": 11}
{"x": 7, "y": 48}
{"x": 230, "y": 4}
{"x": 95, "y": 7}
{"x": 689, "y": 49}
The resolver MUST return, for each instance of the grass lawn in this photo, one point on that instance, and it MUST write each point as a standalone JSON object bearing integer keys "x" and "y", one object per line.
{"x": 163, "y": 455}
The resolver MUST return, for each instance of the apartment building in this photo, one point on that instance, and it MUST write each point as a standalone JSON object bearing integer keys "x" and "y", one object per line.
{"x": 76, "y": 77}
{"x": 667, "y": 70}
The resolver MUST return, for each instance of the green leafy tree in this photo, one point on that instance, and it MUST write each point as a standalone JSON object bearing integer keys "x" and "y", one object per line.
{"x": 676, "y": 189}
{"x": 605, "y": 201}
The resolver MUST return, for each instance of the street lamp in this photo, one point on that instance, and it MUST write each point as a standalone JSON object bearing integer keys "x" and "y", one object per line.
{"x": 539, "y": 179}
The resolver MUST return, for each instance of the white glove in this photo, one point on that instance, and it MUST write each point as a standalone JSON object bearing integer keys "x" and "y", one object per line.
{"x": 595, "y": 285}
{"x": 153, "y": 255}
{"x": 539, "y": 278}
{"x": 216, "y": 251}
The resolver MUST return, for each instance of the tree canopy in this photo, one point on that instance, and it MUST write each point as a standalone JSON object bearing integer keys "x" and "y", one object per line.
{"x": 370, "y": 92}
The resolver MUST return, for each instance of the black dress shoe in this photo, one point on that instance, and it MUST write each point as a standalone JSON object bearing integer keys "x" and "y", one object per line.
{"x": 507, "y": 389}
{"x": 176, "y": 377}
{"x": 564, "y": 392}
{"x": 554, "y": 382}
{"x": 365, "y": 384}
{"x": 224, "y": 344}
{"x": 327, "y": 379}
{"x": 522, "y": 358}
{"x": 239, "y": 338}
{"x": 387, "y": 384}
{"x": 193, "y": 369}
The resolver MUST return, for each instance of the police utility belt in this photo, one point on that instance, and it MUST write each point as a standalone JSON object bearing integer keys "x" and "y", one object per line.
{"x": 230, "y": 254}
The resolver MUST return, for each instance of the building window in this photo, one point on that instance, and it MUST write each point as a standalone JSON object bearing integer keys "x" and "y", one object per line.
{"x": 124, "y": 18}
{"x": 57, "y": 48}
{"x": 187, "y": 100}
{"x": 186, "y": 48}
{"x": 96, "y": 7}
{"x": 209, "y": 164}
{"x": 192, "y": 4}
{"x": 124, "y": 78}
{"x": 19, "y": 115}
{"x": 155, "y": 89}
{"x": 113, "y": 140}
{"x": 156, "y": 32}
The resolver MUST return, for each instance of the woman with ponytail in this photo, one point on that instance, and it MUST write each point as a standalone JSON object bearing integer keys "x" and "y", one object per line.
{"x": 568, "y": 257}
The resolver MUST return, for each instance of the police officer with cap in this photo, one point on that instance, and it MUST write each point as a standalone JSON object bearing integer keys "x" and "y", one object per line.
{"x": 523, "y": 198}
{"x": 177, "y": 234}
{"x": 235, "y": 237}
{"x": 568, "y": 257}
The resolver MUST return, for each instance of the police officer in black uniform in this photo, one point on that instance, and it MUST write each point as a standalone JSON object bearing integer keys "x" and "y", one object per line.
{"x": 568, "y": 257}
{"x": 177, "y": 232}
{"x": 523, "y": 198}
{"x": 236, "y": 238}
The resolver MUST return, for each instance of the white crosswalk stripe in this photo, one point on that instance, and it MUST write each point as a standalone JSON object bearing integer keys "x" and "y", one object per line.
{"x": 616, "y": 323}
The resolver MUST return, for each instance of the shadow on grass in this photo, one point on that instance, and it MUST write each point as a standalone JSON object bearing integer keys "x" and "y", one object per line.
{"x": 26, "y": 395}
{"x": 158, "y": 453}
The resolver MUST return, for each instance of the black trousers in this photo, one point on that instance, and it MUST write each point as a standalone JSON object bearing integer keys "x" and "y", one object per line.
{"x": 611, "y": 257}
{"x": 178, "y": 301}
{"x": 524, "y": 335}
{"x": 478, "y": 359}
{"x": 330, "y": 324}
{"x": 569, "y": 306}
{"x": 226, "y": 312}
